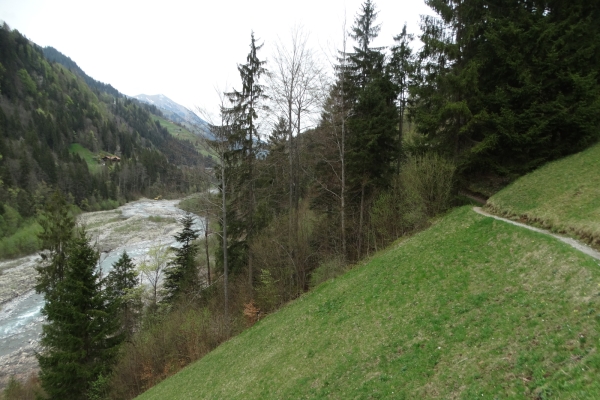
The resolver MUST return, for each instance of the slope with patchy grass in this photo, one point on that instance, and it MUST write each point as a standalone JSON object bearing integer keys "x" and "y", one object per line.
{"x": 472, "y": 307}
{"x": 182, "y": 133}
{"x": 88, "y": 156}
{"x": 563, "y": 196}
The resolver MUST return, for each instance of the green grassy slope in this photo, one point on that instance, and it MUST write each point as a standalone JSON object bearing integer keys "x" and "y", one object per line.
{"x": 470, "y": 308}
{"x": 563, "y": 196}
{"x": 90, "y": 158}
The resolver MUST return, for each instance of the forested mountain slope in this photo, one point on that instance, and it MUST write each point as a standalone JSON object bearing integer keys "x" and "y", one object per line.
{"x": 45, "y": 108}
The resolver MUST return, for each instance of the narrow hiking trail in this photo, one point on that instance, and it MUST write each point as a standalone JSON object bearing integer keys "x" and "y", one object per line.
{"x": 571, "y": 242}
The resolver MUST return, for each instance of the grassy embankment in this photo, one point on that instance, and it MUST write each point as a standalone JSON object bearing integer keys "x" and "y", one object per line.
{"x": 563, "y": 196}
{"x": 471, "y": 307}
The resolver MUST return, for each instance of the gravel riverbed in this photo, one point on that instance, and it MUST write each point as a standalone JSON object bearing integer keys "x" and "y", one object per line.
{"x": 142, "y": 223}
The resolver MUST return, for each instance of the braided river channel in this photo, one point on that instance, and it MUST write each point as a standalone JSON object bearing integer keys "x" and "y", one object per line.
{"x": 134, "y": 227}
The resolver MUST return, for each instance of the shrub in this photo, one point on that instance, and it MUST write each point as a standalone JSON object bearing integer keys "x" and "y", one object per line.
{"x": 28, "y": 390}
{"x": 428, "y": 181}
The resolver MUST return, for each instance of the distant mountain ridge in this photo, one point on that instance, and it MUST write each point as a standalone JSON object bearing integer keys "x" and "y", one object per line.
{"x": 176, "y": 113}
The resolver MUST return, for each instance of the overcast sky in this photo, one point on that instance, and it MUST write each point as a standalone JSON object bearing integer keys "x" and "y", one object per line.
{"x": 185, "y": 49}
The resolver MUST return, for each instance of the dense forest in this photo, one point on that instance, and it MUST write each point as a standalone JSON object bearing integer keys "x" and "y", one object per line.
{"x": 56, "y": 123}
{"x": 315, "y": 170}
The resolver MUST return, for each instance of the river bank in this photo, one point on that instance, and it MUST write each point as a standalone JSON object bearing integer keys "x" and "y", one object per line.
{"x": 133, "y": 227}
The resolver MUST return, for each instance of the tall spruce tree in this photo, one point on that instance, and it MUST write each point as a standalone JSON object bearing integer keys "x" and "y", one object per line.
{"x": 371, "y": 142}
{"x": 400, "y": 68}
{"x": 182, "y": 275}
{"x": 80, "y": 339}
{"x": 244, "y": 114}
{"x": 119, "y": 285}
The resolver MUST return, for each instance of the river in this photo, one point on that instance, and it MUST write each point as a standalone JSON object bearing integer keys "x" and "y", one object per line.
{"x": 134, "y": 228}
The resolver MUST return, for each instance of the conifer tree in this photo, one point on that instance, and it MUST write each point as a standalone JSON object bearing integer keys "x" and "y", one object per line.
{"x": 120, "y": 284}
{"x": 182, "y": 275}
{"x": 401, "y": 68}
{"x": 505, "y": 87}
{"x": 244, "y": 114}
{"x": 57, "y": 231}
{"x": 80, "y": 337}
{"x": 371, "y": 143}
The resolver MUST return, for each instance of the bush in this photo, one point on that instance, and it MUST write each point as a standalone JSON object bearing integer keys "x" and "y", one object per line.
{"x": 422, "y": 190}
{"x": 24, "y": 241}
{"x": 28, "y": 390}
{"x": 170, "y": 340}
{"x": 288, "y": 265}
{"x": 428, "y": 181}
{"x": 267, "y": 294}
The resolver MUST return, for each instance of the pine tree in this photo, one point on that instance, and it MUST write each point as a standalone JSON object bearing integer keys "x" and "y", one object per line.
{"x": 182, "y": 275}
{"x": 80, "y": 337}
{"x": 400, "y": 68}
{"x": 120, "y": 284}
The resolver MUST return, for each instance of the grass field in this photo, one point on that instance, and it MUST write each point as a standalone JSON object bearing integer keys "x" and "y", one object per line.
{"x": 470, "y": 308}
{"x": 89, "y": 157}
{"x": 563, "y": 196}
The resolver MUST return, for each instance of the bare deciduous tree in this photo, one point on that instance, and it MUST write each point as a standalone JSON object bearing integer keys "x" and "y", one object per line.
{"x": 153, "y": 266}
{"x": 295, "y": 88}
{"x": 221, "y": 146}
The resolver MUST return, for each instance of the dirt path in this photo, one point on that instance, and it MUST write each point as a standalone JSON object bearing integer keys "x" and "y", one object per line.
{"x": 571, "y": 242}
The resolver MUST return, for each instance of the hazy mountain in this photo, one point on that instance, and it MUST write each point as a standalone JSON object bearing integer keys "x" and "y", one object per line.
{"x": 176, "y": 113}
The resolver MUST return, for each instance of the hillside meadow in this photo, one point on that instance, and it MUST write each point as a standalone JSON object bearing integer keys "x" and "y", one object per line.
{"x": 563, "y": 196}
{"x": 472, "y": 307}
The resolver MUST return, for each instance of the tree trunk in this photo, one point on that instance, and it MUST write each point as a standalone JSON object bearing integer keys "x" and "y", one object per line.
{"x": 206, "y": 249}
{"x": 361, "y": 219}
{"x": 225, "y": 267}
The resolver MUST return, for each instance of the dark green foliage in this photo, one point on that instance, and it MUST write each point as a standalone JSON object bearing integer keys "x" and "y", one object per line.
{"x": 240, "y": 159}
{"x": 57, "y": 230}
{"x": 119, "y": 286}
{"x": 372, "y": 141}
{"x": 506, "y": 87}
{"x": 80, "y": 338}
{"x": 400, "y": 68}
{"x": 182, "y": 275}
